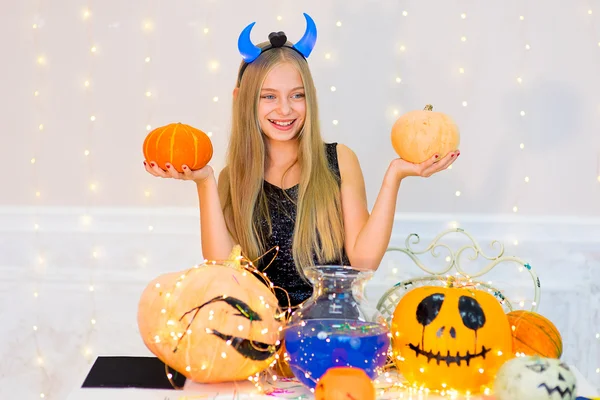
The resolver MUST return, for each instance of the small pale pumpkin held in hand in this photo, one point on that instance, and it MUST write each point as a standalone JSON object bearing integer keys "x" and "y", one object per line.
{"x": 175, "y": 145}
{"x": 419, "y": 135}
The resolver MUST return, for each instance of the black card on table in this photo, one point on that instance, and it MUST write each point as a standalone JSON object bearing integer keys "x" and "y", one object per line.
{"x": 132, "y": 372}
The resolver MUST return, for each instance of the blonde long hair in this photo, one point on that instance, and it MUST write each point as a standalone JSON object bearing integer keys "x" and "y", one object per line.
{"x": 318, "y": 228}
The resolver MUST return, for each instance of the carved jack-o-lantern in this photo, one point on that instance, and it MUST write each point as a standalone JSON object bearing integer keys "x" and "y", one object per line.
{"x": 535, "y": 378}
{"x": 450, "y": 338}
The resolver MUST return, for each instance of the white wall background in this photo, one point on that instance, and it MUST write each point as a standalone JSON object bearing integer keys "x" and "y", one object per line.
{"x": 83, "y": 228}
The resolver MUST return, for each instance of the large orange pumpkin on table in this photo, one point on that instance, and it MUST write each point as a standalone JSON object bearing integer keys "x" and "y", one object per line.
{"x": 212, "y": 323}
{"x": 419, "y": 135}
{"x": 345, "y": 383}
{"x": 178, "y": 144}
{"x": 534, "y": 334}
{"x": 450, "y": 338}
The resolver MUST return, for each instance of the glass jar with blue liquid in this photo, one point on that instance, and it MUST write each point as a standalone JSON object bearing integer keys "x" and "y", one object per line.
{"x": 336, "y": 326}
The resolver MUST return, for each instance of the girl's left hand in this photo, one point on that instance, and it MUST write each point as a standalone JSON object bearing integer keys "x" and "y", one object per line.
{"x": 403, "y": 168}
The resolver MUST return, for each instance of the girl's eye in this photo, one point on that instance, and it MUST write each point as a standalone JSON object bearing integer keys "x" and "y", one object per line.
{"x": 268, "y": 97}
{"x": 298, "y": 95}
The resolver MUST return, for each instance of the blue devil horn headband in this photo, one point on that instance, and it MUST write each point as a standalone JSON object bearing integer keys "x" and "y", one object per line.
{"x": 305, "y": 45}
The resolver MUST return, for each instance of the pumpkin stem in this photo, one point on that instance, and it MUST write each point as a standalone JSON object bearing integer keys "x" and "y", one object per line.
{"x": 428, "y": 107}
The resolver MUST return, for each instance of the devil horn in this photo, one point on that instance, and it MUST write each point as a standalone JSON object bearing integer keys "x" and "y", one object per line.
{"x": 307, "y": 43}
{"x": 247, "y": 49}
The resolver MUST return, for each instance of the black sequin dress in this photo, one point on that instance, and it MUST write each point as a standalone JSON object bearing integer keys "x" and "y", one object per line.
{"x": 282, "y": 272}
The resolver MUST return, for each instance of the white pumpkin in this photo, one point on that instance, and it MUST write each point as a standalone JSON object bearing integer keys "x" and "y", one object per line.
{"x": 535, "y": 378}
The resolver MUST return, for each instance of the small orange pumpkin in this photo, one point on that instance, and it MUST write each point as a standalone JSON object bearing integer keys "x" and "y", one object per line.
{"x": 419, "y": 135}
{"x": 450, "y": 338}
{"x": 534, "y": 334}
{"x": 178, "y": 144}
{"x": 345, "y": 383}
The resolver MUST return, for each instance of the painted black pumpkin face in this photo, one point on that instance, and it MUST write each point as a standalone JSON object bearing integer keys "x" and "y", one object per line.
{"x": 251, "y": 349}
{"x": 535, "y": 378}
{"x": 450, "y": 338}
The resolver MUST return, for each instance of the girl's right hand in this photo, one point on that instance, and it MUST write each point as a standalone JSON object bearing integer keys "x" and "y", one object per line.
{"x": 197, "y": 176}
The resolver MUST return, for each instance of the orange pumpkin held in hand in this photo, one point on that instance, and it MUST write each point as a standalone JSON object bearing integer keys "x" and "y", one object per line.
{"x": 534, "y": 334}
{"x": 345, "y": 383}
{"x": 178, "y": 144}
{"x": 450, "y": 338}
{"x": 419, "y": 135}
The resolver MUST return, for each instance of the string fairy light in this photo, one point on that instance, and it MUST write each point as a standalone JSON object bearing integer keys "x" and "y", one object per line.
{"x": 91, "y": 185}
{"x": 521, "y": 84}
{"x": 147, "y": 30}
{"x": 39, "y": 263}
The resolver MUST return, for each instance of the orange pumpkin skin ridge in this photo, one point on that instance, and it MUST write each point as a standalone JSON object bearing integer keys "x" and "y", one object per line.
{"x": 178, "y": 144}
{"x": 534, "y": 334}
{"x": 419, "y": 135}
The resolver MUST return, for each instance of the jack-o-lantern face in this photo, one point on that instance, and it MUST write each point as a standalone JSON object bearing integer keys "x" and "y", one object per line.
{"x": 450, "y": 338}
{"x": 213, "y": 323}
{"x": 535, "y": 378}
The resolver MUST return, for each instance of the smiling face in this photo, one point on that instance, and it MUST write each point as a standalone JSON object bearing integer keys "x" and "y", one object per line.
{"x": 450, "y": 338}
{"x": 282, "y": 104}
{"x": 535, "y": 378}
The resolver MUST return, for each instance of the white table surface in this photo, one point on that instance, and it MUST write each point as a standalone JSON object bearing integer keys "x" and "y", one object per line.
{"x": 246, "y": 390}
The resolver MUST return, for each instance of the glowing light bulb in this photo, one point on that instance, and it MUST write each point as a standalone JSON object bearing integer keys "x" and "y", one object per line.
{"x": 526, "y": 179}
{"x": 33, "y": 160}
{"x": 464, "y": 103}
{"x": 86, "y": 152}
{"x": 461, "y": 70}
{"x": 147, "y": 193}
{"x": 205, "y": 30}
{"x": 148, "y": 93}
{"x": 327, "y": 56}
{"x": 209, "y": 134}
{"x": 148, "y": 127}
{"x": 86, "y": 83}
{"x": 91, "y": 288}
{"x": 279, "y": 18}
{"x": 93, "y": 49}
{"x": 41, "y": 127}
{"x": 598, "y": 178}
{"x": 150, "y": 228}
{"x": 93, "y": 187}
{"x": 335, "y": 121}
{"x": 333, "y": 88}
{"x": 92, "y": 118}
{"x": 463, "y": 39}
{"x": 457, "y": 193}
{"x": 35, "y": 328}
{"x": 405, "y": 13}
{"x": 34, "y": 26}
{"x": 147, "y": 59}
{"x": 515, "y": 209}
{"x": 213, "y": 65}
{"x": 589, "y": 12}
{"x": 41, "y": 60}
{"x": 522, "y": 113}
{"x": 402, "y": 48}
{"x": 37, "y": 194}
{"x": 527, "y": 47}
{"x": 36, "y": 93}
{"x": 463, "y": 16}
{"x": 148, "y": 26}
{"x": 338, "y": 24}
{"x": 93, "y": 321}
{"x": 520, "y": 80}
{"x": 516, "y": 243}
{"x": 522, "y": 146}
{"x": 398, "y": 79}
{"x": 215, "y": 99}
{"x": 522, "y": 17}
{"x": 86, "y": 14}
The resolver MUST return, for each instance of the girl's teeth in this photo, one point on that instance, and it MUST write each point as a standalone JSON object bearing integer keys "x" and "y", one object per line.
{"x": 282, "y": 123}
